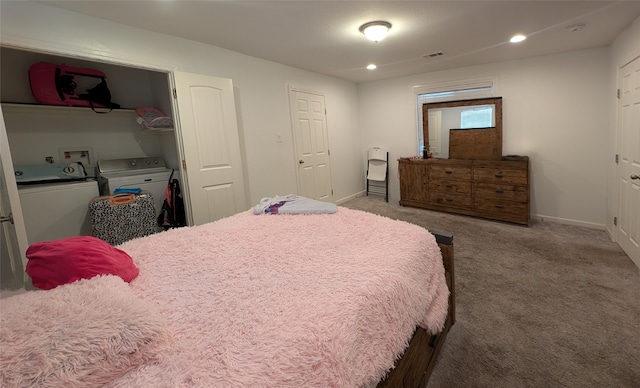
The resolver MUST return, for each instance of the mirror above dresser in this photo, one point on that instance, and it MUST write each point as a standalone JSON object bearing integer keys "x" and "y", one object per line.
{"x": 464, "y": 129}
{"x": 465, "y": 171}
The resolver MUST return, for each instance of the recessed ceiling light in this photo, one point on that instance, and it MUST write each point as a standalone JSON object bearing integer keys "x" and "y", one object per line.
{"x": 517, "y": 38}
{"x": 372, "y": 67}
{"x": 375, "y": 31}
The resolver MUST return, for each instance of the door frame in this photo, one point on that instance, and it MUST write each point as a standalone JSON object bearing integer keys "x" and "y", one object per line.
{"x": 290, "y": 90}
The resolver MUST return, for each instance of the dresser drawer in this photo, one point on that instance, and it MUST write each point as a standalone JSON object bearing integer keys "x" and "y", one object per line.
{"x": 498, "y": 206}
{"x": 499, "y": 175}
{"x": 493, "y": 188}
{"x": 502, "y": 192}
{"x": 462, "y": 201}
{"x": 413, "y": 181}
{"x": 459, "y": 173}
{"x": 450, "y": 187}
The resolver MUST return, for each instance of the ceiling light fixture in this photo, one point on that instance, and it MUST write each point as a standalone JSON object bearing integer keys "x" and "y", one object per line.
{"x": 517, "y": 38}
{"x": 371, "y": 67}
{"x": 375, "y": 31}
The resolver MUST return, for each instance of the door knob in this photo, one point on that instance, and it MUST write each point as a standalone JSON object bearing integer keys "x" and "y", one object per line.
{"x": 301, "y": 161}
{"x": 634, "y": 176}
{"x": 8, "y": 218}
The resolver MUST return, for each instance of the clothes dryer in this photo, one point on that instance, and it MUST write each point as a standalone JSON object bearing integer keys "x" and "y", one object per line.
{"x": 147, "y": 173}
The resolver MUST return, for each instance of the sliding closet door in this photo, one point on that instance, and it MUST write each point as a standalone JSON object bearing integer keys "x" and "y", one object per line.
{"x": 208, "y": 131}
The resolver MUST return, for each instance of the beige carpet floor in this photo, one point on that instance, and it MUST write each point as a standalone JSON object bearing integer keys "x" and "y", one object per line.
{"x": 549, "y": 305}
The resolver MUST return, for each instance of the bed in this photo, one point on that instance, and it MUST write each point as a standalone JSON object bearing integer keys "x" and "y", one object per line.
{"x": 347, "y": 299}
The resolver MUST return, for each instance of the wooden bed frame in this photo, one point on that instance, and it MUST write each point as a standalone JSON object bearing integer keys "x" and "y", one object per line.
{"x": 414, "y": 368}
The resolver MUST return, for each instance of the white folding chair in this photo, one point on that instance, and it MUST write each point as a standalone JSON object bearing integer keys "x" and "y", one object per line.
{"x": 378, "y": 172}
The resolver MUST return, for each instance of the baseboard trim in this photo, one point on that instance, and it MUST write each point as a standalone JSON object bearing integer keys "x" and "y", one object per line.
{"x": 356, "y": 195}
{"x": 567, "y": 221}
{"x": 609, "y": 233}
{"x": 537, "y": 217}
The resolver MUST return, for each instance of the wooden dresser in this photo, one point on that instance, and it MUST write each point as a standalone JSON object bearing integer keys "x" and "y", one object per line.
{"x": 493, "y": 189}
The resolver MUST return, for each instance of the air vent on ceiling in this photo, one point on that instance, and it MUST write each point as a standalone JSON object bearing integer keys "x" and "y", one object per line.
{"x": 576, "y": 27}
{"x": 434, "y": 54}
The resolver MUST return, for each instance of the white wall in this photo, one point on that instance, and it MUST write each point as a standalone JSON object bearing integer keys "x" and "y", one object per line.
{"x": 625, "y": 48}
{"x": 554, "y": 111}
{"x": 260, "y": 87}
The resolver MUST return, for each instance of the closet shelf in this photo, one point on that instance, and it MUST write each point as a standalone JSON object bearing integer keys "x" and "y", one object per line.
{"x": 27, "y": 107}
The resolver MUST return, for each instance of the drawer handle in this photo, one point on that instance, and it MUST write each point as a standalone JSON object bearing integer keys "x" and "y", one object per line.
{"x": 500, "y": 206}
{"x": 498, "y": 175}
{"x": 448, "y": 186}
{"x": 499, "y": 191}
{"x": 448, "y": 172}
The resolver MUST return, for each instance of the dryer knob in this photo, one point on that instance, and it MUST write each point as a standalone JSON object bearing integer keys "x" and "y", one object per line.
{"x": 133, "y": 163}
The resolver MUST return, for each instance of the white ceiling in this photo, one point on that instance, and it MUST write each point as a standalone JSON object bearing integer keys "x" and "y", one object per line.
{"x": 323, "y": 36}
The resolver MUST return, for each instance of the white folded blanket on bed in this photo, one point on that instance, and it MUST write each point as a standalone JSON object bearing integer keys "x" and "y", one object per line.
{"x": 293, "y": 204}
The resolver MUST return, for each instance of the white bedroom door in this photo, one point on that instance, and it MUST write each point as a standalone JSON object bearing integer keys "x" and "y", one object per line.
{"x": 210, "y": 147}
{"x": 628, "y": 225}
{"x": 311, "y": 145}
{"x": 435, "y": 142}
{"x": 14, "y": 234}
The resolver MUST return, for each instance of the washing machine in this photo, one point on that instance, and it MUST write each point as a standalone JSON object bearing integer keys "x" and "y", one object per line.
{"x": 57, "y": 210}
{"x": 147, "y": 173}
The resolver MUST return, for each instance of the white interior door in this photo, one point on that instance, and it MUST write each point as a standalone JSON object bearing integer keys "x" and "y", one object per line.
{"x": 628, "y": 225}
{"x": 212, "y": 165}
{"x": 13, "y": 244}
{"x": 435, "y": 127}
{"x": 311, "y": 142}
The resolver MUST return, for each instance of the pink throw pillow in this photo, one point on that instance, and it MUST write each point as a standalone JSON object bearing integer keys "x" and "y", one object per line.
{"x": 53, "y": 263}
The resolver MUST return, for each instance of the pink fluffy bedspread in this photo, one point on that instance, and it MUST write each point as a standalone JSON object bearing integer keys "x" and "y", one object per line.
{"x": 287, "y": 300}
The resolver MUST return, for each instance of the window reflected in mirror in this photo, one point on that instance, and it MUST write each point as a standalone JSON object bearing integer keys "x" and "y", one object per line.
{"x": 477, "y": 117}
